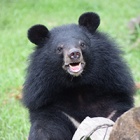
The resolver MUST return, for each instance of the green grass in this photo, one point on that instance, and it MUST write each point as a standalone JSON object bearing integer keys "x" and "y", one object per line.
{"x": 17, "y": 16}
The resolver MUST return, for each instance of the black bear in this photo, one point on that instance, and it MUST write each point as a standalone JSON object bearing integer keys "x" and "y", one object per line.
{"x": 75, "y": 71}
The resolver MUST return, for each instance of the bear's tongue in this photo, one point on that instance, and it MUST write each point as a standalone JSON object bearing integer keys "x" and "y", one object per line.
{"x": 75, "y": 67}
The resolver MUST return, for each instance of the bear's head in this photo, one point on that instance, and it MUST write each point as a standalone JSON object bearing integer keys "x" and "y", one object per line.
{"x": 66, "y": 45}
{"x": 70, "y": 58}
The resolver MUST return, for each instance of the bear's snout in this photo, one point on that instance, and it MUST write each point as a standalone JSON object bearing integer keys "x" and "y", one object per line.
{"x": 73, "y": 61}
{"x": 74, "y": 54}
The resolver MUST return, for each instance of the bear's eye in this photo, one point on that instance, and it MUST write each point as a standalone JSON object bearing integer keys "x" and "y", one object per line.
{"x": 82, "y": 45}
{"x": 59, "y": 50}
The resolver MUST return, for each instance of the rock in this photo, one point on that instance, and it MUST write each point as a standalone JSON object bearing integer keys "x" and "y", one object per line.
{"x": 97, "y": 128}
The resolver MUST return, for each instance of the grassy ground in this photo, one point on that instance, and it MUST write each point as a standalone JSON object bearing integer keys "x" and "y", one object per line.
{"x": 17, "y": 16}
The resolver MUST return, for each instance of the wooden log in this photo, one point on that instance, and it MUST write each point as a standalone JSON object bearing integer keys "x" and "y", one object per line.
{"x": 127, "y": 127}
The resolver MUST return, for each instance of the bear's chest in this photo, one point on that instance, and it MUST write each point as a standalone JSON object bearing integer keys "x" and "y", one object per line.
{"x": 80, "y": 106}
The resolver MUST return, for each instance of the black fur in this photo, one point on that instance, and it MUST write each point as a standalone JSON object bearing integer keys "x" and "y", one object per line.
{"x": 37, "y": 34}
{"x": 89, "y": 20}
{"x": 49, "y": 91}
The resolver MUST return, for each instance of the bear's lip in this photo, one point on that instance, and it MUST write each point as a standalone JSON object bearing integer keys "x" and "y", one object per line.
{"x": 75, "y": 68}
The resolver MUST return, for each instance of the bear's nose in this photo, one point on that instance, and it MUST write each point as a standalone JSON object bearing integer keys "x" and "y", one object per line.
{"x": 74, "y": 54}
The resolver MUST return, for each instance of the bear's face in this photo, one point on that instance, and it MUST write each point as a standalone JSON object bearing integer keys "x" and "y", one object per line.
{"x": 70, "y": 43}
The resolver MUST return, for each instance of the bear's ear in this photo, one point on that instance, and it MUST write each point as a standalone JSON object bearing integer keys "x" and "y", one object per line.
{"x": 38, "y": 33}
{"x": 90, "y": 21}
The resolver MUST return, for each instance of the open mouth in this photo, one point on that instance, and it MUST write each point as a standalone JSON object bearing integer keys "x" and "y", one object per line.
{"x": 75, "y": 69}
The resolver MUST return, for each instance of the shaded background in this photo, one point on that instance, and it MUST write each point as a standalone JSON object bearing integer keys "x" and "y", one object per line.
{"x": 16, "y": 16}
